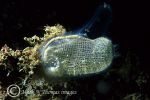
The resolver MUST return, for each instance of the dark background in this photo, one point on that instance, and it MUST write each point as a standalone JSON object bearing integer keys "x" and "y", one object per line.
{"x": 129, "y": 28}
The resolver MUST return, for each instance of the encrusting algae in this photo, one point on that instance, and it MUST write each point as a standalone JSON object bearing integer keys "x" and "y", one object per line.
{"x": 28, "y": 58}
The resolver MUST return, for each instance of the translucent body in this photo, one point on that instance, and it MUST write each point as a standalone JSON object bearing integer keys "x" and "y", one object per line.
{"x": 76, "y": 55}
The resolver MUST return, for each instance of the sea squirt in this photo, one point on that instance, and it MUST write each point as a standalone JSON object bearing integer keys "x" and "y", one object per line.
{"x": 77, "y": 55}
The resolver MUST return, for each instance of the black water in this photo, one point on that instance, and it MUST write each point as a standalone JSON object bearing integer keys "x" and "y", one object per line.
{"x": 129, "y": 28}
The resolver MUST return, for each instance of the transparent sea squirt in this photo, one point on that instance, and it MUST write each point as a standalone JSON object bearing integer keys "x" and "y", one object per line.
{"x": 77, "y": 55}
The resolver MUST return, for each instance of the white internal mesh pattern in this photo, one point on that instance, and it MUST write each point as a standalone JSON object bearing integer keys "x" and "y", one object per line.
{"x": 75, "y": 55}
